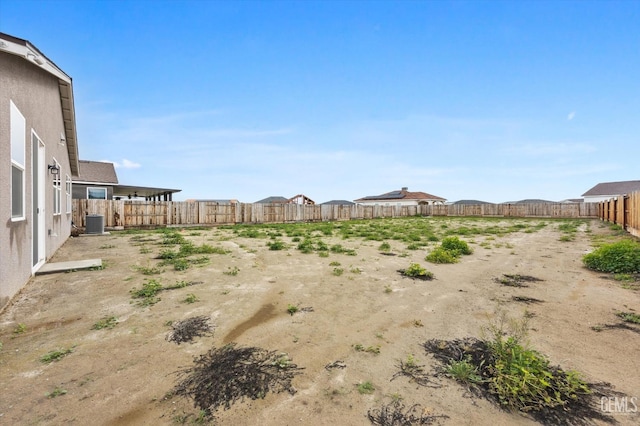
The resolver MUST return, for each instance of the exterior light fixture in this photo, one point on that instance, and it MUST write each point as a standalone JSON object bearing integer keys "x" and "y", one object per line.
{"x": 54, "y": 169}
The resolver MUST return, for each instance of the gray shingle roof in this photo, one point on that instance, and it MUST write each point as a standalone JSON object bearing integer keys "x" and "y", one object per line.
{"x": 273, "y": 199}
{"x": 97, "y": 171}
{"x": 614, "y": 188}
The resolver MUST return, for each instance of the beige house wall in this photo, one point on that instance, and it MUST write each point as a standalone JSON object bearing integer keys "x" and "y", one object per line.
{"x": 36, "y": 94}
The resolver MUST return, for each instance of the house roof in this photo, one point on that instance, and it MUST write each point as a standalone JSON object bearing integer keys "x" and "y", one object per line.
{"x": 402, "y": 194}
{"x": 30, "y": 53}
{"x": 97, "y": 172}
{"x": 471, "y": 202}
{"x": 529, "y": 201}
{"x": 339, "y": 203}
{"x": 273, "y": 199}
{"x": 613, "y": 188}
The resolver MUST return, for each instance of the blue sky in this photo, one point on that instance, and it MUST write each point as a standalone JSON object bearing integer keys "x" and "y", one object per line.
{"x": 489, "y": 100}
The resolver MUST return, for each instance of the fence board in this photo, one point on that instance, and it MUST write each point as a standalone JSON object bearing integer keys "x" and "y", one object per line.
{"x": 624, "y": 211}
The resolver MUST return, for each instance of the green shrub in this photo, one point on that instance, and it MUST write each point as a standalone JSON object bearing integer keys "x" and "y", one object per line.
{"x": 440, "y": 255}
{"x": 276, "y": 245}
{"x": 522, "y": 378}
{"x": 385, "y": 247}
{"x": 620, "y": 257}
{"x": 306, "y": 246}
{"x": 455, "y": 244}
{"x": 416, "y": 271}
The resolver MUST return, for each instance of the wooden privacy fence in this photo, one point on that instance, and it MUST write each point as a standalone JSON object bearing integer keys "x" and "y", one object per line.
{"x": 624, "y": 211}
{"x": 139, "y": 214}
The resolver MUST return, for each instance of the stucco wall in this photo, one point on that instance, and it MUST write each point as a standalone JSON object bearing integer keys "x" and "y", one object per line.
{"x": 36, "y": 94}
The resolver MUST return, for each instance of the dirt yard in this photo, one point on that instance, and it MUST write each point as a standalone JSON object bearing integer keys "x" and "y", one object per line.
{"x": 356, "y": 318}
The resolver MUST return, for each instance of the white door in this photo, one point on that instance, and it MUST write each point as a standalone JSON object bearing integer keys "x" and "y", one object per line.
{"x": 39, "y": 174}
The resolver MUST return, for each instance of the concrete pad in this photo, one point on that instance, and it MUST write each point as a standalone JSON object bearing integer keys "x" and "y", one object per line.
{"x": 49, "y": 268}
{"x": 95, "y": 235}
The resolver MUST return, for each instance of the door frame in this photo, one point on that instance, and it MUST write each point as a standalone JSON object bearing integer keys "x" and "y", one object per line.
{"x": 38, "y": 188}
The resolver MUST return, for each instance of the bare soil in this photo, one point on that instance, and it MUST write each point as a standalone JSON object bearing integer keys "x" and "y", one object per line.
{"x": 125, "y": 375}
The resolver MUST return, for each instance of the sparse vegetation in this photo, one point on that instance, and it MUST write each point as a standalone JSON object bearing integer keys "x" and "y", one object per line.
{"x": 231, "y": 271}
{"x": 629, "y": 317}
{"x": 191, "y": 298}
{"x": 365, "y": 388}
{"x": 57, "y": 391}
{"x": 369, "y": 349}
{"x": 147, "y": 294}
{"x": 106, "y": 322}
{"x": 55, "y": 355}
{"x": 292, "y": 309}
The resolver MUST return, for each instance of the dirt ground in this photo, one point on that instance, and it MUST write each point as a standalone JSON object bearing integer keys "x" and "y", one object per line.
{"x": 125, "y": 375}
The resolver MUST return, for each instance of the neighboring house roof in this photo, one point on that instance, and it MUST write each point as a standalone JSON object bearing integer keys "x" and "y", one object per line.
{"x": 339, "y": 203}
{"x": 194, "y": 200}
{"x": 471, "y": 202}
{"x": 97, "y": 172}
{"x": 104, "y": 173}
{"x": 572, "y": 200}
{"x": 613, "y": 188}
{"x": 529, "y": 201}
{"x": 272, "y": 200}
{"x": 403, "y": 194}
{"x": 30, "y": 53}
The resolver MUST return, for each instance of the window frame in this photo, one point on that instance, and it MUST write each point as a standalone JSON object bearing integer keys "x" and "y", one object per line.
{"x": 69, "y": 191}
{"x": 89, "y": 188}
{"x": 57, "y": 191}
{"x": 18, "y": 139}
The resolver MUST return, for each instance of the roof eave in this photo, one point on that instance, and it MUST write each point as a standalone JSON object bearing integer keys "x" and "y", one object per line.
{"x": 31, "y": 54}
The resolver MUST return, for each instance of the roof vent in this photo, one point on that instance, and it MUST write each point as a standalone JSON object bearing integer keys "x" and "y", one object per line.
{"x": 405, "y": 188}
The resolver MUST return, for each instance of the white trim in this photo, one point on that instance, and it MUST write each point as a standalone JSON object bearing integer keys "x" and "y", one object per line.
{"x": 41, "y": 202}
{"x": 85, "y": 182}
{"x": 31, "y": 54}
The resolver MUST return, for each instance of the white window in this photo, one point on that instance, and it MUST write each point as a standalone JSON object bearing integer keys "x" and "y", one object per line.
{"x": 97, "y": 193}
{"x": 68, "y": 193}
{"x": 57, "y": 190}
{"x": 18, "y": 129}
